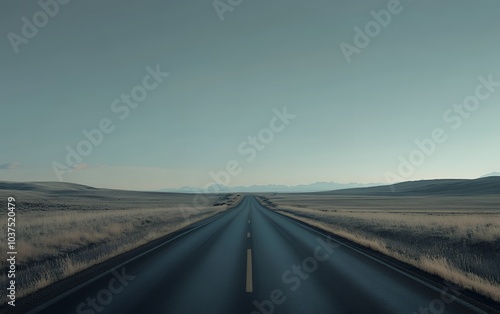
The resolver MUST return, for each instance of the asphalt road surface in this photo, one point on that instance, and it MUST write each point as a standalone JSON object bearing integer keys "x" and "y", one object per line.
{"x": 253, "y": 260}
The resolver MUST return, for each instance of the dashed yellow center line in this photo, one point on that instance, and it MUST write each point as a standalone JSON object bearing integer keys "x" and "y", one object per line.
{"x": 249, "y": 287}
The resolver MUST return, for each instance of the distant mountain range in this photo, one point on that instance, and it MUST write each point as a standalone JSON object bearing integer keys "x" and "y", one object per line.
{"x": 314, "y": 187}
{"x": 493, "y": 174}
{"x": 488, "y": 184}
{"x": 432, "y": 186}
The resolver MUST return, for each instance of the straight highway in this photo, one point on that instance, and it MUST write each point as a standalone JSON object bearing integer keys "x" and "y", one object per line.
{"x": 254, "y": 260}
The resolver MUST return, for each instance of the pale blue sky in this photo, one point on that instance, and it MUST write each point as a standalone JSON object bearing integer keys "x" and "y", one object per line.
{"x": 353, "y": 119}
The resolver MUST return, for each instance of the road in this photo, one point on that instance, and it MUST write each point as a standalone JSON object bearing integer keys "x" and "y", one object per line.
{"x": 253, "y": 260}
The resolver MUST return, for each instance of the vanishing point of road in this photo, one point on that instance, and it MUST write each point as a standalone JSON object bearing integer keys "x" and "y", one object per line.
{"x": 253, "y": 260}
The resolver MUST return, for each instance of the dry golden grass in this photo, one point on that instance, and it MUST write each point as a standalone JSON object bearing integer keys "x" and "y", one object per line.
{"x": 45, "y": 234}
{"x": 53, "y": 244}
{"x": 456, "y": 238}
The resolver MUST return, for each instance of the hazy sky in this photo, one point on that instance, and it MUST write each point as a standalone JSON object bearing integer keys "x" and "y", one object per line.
{"x": 356, "y": 102}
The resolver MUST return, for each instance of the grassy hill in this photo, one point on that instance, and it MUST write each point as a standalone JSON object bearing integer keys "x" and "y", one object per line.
{"x": 481, "y": 186}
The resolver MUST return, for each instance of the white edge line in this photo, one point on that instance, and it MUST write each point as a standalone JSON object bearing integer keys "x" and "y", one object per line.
{"x": 428, "y": 285}
{"x": 107, "y": 272}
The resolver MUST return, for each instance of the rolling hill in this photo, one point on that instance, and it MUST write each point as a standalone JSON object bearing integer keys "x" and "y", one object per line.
{"x": 481, "y": 186}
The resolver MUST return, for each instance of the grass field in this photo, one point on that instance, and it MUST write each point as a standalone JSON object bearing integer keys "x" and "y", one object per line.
{"x": 62, "y": 230}
{"x": 454, "y": 237}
